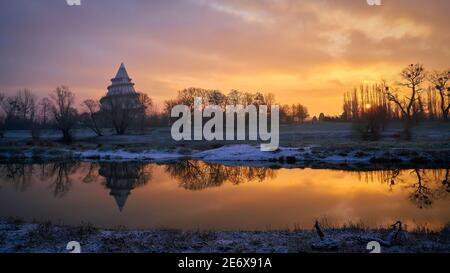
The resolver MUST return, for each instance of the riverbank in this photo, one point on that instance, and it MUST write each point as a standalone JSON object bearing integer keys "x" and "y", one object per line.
{"x": 315, "y": 156}
{"x": 17, "y": 236}
{"x": 318, "y": 145}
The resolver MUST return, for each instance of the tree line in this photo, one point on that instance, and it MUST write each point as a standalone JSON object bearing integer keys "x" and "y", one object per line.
{"x": 419, "y": 102}
{"x": 23, "y": 111}
{"x": 123, "y": 113}
{"x": 417, "y": 95}
{"x": 295, "y": 113}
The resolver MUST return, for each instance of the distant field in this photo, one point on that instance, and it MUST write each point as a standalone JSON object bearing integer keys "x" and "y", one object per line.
{"x": 320, "y": 133}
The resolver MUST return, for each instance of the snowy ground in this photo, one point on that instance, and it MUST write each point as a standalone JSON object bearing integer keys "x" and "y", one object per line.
{"x": 326, "y": 156}
{"x": 16, "y": 236}
{"x": 345, "y": 157}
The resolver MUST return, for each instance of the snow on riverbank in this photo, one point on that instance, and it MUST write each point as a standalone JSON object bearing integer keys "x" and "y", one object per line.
{"x": 253, "y": 153}
{"x": 39, "y": 153}
{"x": 249, "y": 153}
{"x": 155, "y": 155}
{"x": 16, "y": 236}
{"x": 244, "y": 154}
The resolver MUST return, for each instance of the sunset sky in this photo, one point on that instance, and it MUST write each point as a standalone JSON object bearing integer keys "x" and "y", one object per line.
{"x": 308, "y": 51}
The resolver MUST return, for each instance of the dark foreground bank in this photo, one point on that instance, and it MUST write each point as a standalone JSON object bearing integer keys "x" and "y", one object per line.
{"x": 16, "y": 236}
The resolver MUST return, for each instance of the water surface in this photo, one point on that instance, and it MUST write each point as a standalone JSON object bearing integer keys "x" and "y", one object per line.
{"x": 196, "y": 195}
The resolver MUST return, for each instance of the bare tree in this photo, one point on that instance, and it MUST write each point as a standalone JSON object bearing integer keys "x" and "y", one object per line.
{"x": 187, "y": 96}
{"x": 431, "y": 101}
{"x": 285, "y": 113}
{"x": 235, "y": 97}
{"x": 2, "y": 121}
{"x": 20, "y": 111}
{"x": 168, "y": 105}
{"x": 28, "y": 111}
{"x": 63, "y": 111}
{"x": 368, "y": 109}
{"x": 299, "y": 113}
{"x": 410, "y": 105}
{"x": 45, "y": 110}
{"x": 121, "y": 110}
{"x": 9, "y": 108}
{"x": 441, "y": 80}
{"x": 215, "y": 97}
{"x": 146, "y": 108}
{"x": 20, "y": 108}
{"x": 25, "y": 103}
{"x": 258, "y": 99}
{"x": 146, "y": 102}
{"x": 93, "y": 111}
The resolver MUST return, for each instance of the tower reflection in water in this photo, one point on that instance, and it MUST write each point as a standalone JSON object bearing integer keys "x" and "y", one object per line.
{"x": 122, "y": 178}
{"x": 423, "y": 186}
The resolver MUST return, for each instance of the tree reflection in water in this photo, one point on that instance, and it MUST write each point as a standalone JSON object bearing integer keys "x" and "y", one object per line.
{"x": 62, "y": 175}
{"x": 18, "y": 174}
{"x": 59, "y": 174}
{"x": 424, "y": 185}
{"x": 92, "y": 173}
{"x": 198, "y": 175}
{"x": 428, "y": 184}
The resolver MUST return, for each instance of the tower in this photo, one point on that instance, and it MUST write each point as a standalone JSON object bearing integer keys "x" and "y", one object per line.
{"x": 121, "y": 84}
{"x": 122, "y": 104}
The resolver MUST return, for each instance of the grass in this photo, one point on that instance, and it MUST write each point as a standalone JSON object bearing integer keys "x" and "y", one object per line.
{"x": 337, "y": 135}
{"x": 47, "y": 237}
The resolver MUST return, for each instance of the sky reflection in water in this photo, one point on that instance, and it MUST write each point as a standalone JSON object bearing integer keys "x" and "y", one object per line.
{"x": 196, "y": 195}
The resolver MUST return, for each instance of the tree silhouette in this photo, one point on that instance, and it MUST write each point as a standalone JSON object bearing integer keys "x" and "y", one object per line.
{"x": 410, "y": 105}
{"x": 441, "y": 80}
{"x": 63, "y": 111}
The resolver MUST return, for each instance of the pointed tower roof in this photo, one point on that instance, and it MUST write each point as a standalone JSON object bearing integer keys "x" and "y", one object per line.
{"x": 122, "y": 72}
{"x": 121, "y": 84}
{"x": 120, "y": 196}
